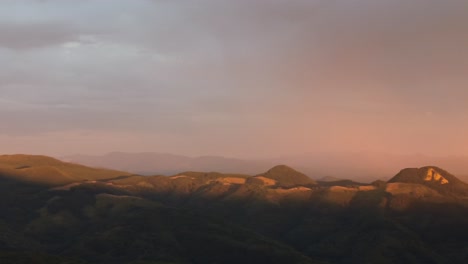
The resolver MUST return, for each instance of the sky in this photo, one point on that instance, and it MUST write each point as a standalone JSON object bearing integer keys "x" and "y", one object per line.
{"x": 244, "y": 78}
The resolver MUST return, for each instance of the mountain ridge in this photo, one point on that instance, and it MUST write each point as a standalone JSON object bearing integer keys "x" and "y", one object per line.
{"x": 360, "y": 167}
{"x": 433, "y": 177}
{"x": 278, "y": 216}
{"x": 287, "y": 176}
{"x": 48, "y": 170}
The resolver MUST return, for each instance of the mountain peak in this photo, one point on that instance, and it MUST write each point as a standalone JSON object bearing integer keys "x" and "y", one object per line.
{"x": 428, "y": 174}
{"x": 287, "y": 176}
{"x": 282, "y": 168}
{"x": 433, "y": 177}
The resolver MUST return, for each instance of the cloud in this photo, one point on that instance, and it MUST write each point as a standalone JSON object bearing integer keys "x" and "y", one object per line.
{"x": 37, "y": 35}
{"x": 291, "y": 74}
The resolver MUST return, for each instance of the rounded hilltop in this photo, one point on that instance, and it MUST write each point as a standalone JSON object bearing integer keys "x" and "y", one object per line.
{"x": 433, "y": 177}
{"x": 286, "y": 176}
{"x": 50, "y": 171}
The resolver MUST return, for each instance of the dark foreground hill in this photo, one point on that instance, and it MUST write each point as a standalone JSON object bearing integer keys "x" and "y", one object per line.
{"x": 279, "y": 216}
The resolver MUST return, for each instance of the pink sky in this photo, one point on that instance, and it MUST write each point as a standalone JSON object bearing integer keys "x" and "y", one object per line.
{"x": 234, "y": 78}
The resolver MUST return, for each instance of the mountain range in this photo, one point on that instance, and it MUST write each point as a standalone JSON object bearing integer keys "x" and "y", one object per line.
{"x": 60, "y": 212}
{"x": 361, "y": 167}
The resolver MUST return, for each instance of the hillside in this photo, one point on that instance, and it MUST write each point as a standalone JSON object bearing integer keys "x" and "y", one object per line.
{"x": 50, "y": 171}
{"x": 360, "y": 167}
{"x": 286, "y": 176}
{"x": 280, "y": 216}
{"x": 433, "y": 177}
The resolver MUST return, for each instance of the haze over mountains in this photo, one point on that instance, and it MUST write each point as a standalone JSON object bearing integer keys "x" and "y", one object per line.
{"x": 363, "y": 167}
{"x": 56, "y": 212}
{"x": 272, "y": 125}
{"x": 152, "y": 163}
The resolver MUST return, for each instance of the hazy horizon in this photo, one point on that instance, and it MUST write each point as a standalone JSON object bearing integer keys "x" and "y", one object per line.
{"x": 362, "y": 167}
{"x": 243, "y": 79}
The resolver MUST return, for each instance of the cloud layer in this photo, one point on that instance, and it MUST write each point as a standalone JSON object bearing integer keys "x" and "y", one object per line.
{"x": 239, "y": 78}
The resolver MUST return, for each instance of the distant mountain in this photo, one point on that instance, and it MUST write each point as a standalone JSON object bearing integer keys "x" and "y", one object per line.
{"x": 368, "y": 166}
{"x": 359, "y": 167}
{"x": 286, "y": 176}
{"x": 344, "y": 183}
{"x": 280, "y": 216}
{"x": 433, "y": 177}
{"x": 50, "y": 171}
{"x": 334, "y": 181}
{"x": 329, "y": 179}
{"x": 168, "y": 164}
